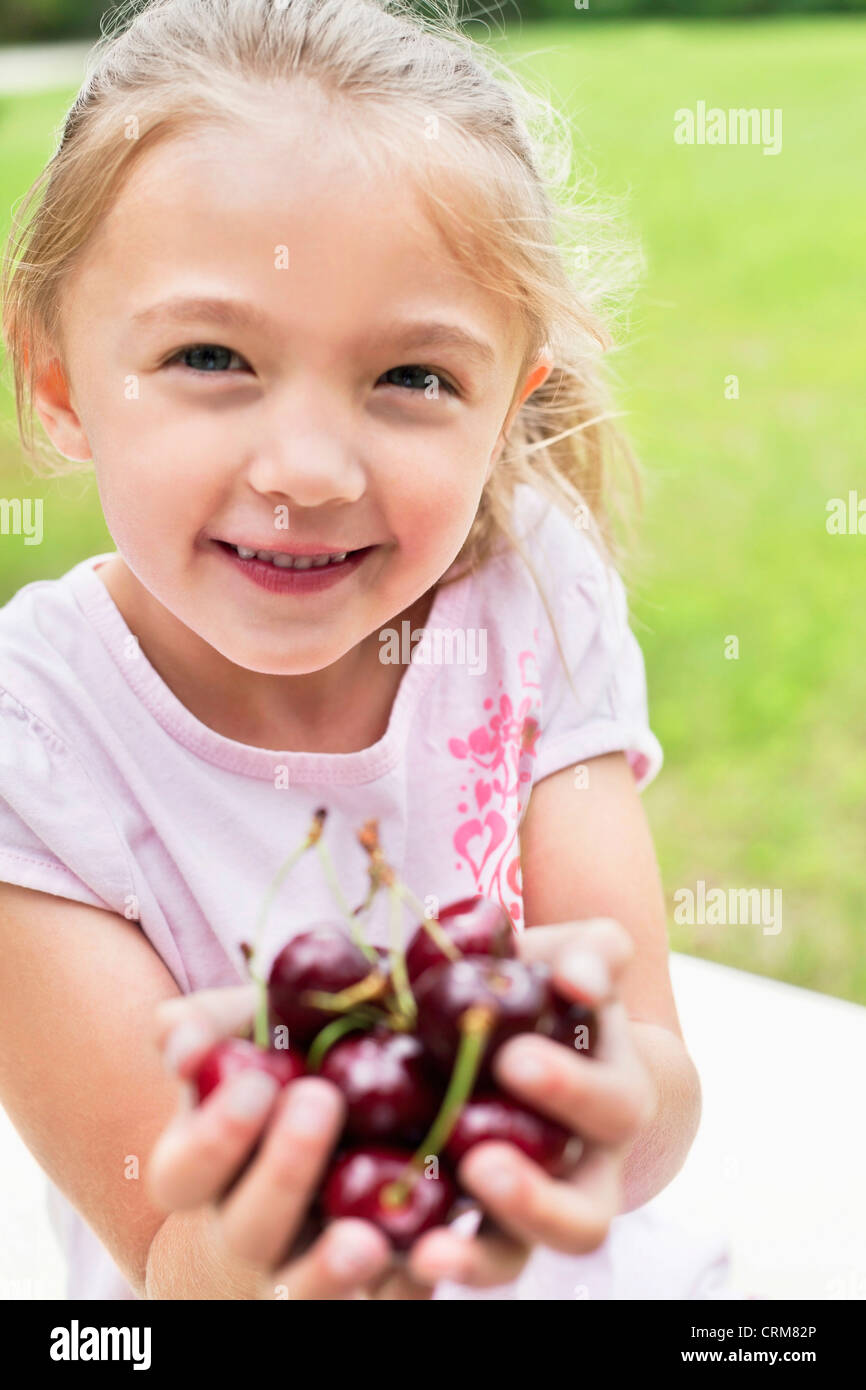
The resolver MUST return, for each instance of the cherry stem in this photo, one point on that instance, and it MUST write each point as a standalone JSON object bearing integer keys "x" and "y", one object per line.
{"x": 448, "y": 947}
{"x": 399, "y": 974}
{"x": 352, "y": 918}
{"x": 381, "y": 873}
{"x": 373, "y": 986}
{"x": 375, "y": 885}
{"x": 359, "y": 1020}
{"x": 312, "y": 837}
{"x": 475, "y": 1025}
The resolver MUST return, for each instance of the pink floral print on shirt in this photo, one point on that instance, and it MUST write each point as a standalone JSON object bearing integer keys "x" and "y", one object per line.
{"x": 498, "y": 756}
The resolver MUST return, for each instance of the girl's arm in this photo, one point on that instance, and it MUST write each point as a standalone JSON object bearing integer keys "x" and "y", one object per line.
{"x": 79, "y": 1075}
{"x": 586, "y": 852}
{"x": 83, "y": 1082}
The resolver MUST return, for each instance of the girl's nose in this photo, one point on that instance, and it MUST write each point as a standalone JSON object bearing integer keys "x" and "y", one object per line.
{"x": 308, "y": 462}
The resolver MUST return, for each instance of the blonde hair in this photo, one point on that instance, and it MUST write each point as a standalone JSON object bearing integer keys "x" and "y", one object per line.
{"x": 515, "y": 216}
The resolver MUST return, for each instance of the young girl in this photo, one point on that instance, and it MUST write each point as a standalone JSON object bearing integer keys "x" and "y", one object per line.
{"x": 293, "y": 282}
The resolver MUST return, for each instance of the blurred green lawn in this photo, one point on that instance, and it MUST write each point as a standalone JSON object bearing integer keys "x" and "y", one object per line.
{"x": 753, "y": 266}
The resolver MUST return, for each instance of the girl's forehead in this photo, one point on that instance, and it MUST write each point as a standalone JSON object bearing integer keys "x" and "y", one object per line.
{"x": 243, "y": 202}
{"x": 300, "y": 134}
{"x": 241, "y": 177}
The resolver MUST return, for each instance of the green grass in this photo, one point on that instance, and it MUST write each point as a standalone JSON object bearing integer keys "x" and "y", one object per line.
{"x": 753, "y": 268}
{"x": 72, "y": 519}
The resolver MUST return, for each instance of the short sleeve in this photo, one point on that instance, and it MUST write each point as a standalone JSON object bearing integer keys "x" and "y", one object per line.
{"x": 56, "y": 833}
{"x": 606, "y": 711}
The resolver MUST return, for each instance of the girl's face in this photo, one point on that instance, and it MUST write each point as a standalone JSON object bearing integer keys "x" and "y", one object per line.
{"x": 269, "y": 348}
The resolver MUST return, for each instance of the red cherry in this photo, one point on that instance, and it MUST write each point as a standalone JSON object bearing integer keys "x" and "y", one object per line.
{"x": 325, "y": 959}
{"x": 477, "y": 926}
{"x": 494, "y": 1116}
{"x": 567, "y": 1016}
{"x": 234, "y": 1055}
{"x": 357, "y": 1183}
{"x": 387, "y": 1089}
{"x": 516, "y": 993}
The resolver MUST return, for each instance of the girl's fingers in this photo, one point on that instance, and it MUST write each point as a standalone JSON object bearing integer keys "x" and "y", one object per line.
{"x": 586, "y": 958}
{"x": 265, "y": 1209}
{"x": 196, "y": 1157}
{"x": 348, "y": 1257}
{"x": 572, "y": 1216}
{"x": 186, "y": 1027}
{"x": 607, "y": 1097}
{"x": 482, "y": 1261}
{"x": 398, "y": 1285}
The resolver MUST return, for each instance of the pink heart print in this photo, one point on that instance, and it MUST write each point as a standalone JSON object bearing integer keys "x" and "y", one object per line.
{"x": 502, "y": 747}
{"x": 473, "y": 829}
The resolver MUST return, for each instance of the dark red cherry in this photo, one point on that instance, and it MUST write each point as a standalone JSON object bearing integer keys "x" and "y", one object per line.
{"x": 477, "y": 926}
{"x": 388, "y": 1091}
{"x": 573, "y": 1024}
{"x": 517, "y": 994}
{"x": 233, "y": 1055}
{"x": 357, "y": 1185}
{"x": 324, "y": 958}
{"x": 493, "y": 1116}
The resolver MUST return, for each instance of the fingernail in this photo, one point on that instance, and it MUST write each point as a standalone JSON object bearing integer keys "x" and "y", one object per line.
{"x": 500, "y": 1183}
{"x": 498, "y": 1180}
{"x": 184, "y": 1040}
{"x": 353, "y": 1255}
{"x": 523, "y": 1065}
{"x": 309, "y": 1112}
{"x": 250, "y": 1094}
{"x": 446, "y": 1267}
{"x": 445, "y": 1263}
{"x": 587, "y": 973}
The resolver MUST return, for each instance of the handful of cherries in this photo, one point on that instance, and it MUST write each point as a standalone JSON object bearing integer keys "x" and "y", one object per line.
{"x": 408, "y": 1037}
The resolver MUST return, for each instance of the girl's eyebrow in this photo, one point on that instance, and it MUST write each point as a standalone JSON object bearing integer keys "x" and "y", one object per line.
{"x": 403, "y": 334}
{"x": 224, "y": 313}
{"x": 236, "y": 313}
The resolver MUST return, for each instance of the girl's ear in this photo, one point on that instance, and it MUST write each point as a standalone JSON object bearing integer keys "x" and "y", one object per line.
{"x": 540, "y": 371}
{"x": 53, "y": 405}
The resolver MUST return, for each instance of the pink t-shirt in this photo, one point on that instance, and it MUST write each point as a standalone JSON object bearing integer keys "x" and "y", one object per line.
{"x": 112, "y": 793}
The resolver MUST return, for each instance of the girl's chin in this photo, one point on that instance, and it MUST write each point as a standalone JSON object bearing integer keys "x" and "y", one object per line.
{"x": 266, "y": 660}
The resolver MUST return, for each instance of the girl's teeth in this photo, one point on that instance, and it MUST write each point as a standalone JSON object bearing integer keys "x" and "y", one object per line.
{"x": 286, "y": 562}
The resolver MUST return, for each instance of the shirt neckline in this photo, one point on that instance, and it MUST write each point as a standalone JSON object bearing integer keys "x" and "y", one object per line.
{"x": 363, "y": 765}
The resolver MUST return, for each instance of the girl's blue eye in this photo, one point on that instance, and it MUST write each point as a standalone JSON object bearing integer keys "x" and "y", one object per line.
{"x": 426, "y": 380}
{"x": 215, "y": 359}
{"x": 212, "y": 357}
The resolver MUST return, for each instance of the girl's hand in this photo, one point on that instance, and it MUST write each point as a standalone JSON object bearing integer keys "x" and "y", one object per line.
{"x": 606, "y": 1099}
{"x": 264, "y": 1212}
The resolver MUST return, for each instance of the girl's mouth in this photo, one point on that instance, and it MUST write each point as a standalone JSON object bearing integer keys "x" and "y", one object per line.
{"x": 284, "y": 573}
